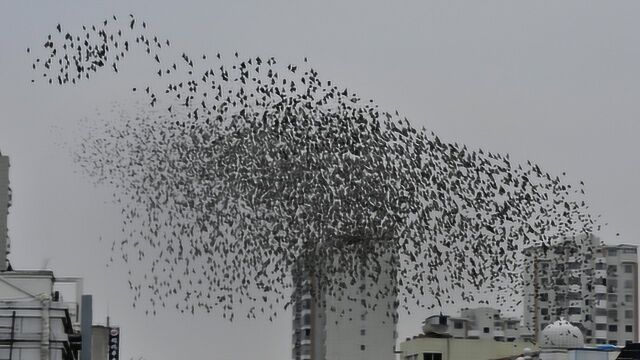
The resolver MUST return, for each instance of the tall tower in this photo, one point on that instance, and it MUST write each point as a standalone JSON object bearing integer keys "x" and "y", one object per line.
{"x": 357, "y": 324}
{"x": 5, "y": 202}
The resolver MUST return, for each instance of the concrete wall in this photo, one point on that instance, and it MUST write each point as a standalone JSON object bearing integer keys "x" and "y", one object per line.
{"x": 27, "y": 331}
{"x": 463, "y": 349}
{"x": 17, "y": 285}
{"x": 592, "y": 355}
{"x": 99, "y": 343}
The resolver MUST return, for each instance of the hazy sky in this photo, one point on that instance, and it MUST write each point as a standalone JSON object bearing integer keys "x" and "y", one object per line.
{"x": 557, "y": 82}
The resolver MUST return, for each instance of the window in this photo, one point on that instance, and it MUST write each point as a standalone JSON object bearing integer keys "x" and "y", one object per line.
{"x": 628, "y": 268}
{"x": 612, "y": 252}
{"x": 431, "y": 356}
{"x": 362, "y": 347}
{"x": 613, "y": 328}
{"x": 486, "y": 330}
{"x": 574, "y": 280}
{"x": 628, "y": 328}
{"x": 573, "y": 266}
{"x": 628, "y": 298}
{"x": 362, "y": 332}
{"x": 601, "y": 326}
{"x": 612, "y": 269}
{"x": 544, "y": 297}
{"x": 613, "y": 297}
{"x": 628, "y": 314}
{"x": 628, "y": 284}
{"x": 574, "y": 296}
{"x": 457, "y": 325}
{"x": 574, "y": 311}
{"x": 306, "y": 304}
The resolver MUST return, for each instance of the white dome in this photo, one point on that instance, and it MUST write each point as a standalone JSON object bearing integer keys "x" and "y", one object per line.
{"x": 561, "y": 335}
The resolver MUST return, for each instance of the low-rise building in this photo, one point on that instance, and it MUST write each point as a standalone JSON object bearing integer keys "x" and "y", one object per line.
{"x": 479, "y": 334}
{"x": 476, "y": 323}
{"x": 442, "y": 348}
{"x": 35, "y": 323}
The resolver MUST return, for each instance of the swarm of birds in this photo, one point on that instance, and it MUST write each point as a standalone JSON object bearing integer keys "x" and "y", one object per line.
{"x": 236, "y": 175}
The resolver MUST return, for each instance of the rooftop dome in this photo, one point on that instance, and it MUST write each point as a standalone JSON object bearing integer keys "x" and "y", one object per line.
{"x": 561, "y": 335}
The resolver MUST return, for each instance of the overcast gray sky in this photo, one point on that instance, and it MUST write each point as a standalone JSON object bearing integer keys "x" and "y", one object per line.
{"x": 557, "y": 82}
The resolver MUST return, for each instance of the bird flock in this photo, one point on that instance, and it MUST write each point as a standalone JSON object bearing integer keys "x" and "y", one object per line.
{"x": 237, "y": 174}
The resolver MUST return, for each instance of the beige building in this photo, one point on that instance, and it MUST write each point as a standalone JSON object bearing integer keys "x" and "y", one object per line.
{"x": 432, "y": 348}
{"x": 598, "y": 294}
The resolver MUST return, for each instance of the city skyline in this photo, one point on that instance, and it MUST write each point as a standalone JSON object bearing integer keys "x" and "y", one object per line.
{"x": 566, "y": 101}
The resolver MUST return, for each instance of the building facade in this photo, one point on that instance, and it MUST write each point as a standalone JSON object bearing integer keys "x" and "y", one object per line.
{"x": 5, "y": 203}
{"x": 433, "y": 348}
{"x": 598, "y": 292}
{"x": 35, "y": 323}
{"x": 478, "y": 323}
{"x": 358, "y": 324}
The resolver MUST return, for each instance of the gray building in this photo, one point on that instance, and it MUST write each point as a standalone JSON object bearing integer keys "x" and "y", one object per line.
{"x": 596, "y": 290}
{"x": 5, "y": 203}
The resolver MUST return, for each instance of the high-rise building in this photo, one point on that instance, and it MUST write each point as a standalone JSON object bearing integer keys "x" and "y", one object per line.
{"x": 597, "y": 291}
{"x": 5, "y": 202}
{"x": 358, "y": 324}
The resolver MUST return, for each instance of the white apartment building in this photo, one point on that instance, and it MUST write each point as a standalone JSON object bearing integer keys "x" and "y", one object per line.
{"x": 34, "y": 321}
{"x": 355, "y": 326}
{"x": 477, "y": 323}
{"x": 597, "y": 292}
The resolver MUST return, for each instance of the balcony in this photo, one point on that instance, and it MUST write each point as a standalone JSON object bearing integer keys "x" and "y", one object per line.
{"x": 575, "y": 288}
{"x": 575, "y": 318}
{"x": 576, "y": 303}
{"x": 601, "y": 334}
{"x": 600, "y": 320}
{"x": 600, "y": 273}
{"x": 600, "y": 289}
